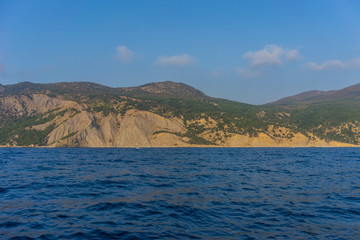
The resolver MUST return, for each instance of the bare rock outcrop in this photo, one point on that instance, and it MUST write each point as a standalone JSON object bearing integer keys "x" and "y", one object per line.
{"x": 73, "y": 126}
{"x": 28, "y": 104}
{"x": 136, "y": 128}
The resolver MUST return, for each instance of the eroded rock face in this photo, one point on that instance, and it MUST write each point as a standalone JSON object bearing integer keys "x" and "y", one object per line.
{"x": 79, "y": 128}
{"x": 263, "y": 140}
{"x": 136, "y": 128}
{"x": 146, "y": 129}
{"x": 86, "y": 129}
{"x": 27, "y": 105}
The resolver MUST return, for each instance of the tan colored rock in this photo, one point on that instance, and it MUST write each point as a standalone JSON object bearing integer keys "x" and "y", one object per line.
{"x": 108, "y": 127}
{"x": 138, "y": 127}
{"x": 143, "y": 129}
{"x": 78, "y": 123}
{"x": 35, "y": 103}
{"x": 263, "y": 140}
{"x": 168, "y": 140}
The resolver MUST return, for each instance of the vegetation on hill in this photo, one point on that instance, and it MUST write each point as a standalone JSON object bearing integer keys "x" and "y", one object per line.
{"x": 18, "y": 131}
{"x": 311, "y": 114}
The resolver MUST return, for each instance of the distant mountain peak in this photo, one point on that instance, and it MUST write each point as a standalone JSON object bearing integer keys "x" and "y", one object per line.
{"x": 316, "y": 96}
{"x": 170, "y": 88}
{"x": 166, "y": 89}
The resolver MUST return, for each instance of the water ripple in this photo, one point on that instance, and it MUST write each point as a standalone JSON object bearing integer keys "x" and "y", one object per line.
{"x": 180, "y": 193}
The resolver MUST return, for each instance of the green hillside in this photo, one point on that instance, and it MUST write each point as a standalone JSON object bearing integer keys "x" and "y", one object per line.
{"x": 325, "y": 116}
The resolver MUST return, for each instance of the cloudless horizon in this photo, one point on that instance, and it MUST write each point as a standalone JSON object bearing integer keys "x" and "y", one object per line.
{"x": 249, "y": 51}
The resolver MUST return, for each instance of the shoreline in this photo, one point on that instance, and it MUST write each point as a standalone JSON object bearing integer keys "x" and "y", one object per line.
{"x": 38, "y": 147}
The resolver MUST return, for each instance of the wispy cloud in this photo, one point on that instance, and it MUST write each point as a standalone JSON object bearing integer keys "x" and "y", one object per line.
{"x": 180, "y": 60}
{"x": 124, "y": 54}
{"x": 217, "y": 72}
{"x": 292, "y": 54}
{"x": 248, "y": 73}
{"x": 335, "y": 65}
{"x": 271, "y": 54}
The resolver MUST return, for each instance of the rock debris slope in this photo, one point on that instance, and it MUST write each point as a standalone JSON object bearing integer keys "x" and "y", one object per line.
{"x": 169, "y": 114}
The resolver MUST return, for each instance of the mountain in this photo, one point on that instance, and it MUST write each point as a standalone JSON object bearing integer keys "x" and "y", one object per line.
{"x": 351, "y": 93}
{"x": 88, "y": 89}
{"x": 165, "y": 89}
{"x": 169, "y": 114}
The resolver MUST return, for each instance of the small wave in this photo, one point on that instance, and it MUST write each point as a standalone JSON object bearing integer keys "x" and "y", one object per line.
{"x": 10, "y": 224}
{"x": 180, "y": 194}
{"x": 105, "y": 206}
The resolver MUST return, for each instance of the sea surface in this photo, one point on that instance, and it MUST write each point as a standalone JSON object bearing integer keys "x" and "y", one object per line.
{"x": 180, "y": 193}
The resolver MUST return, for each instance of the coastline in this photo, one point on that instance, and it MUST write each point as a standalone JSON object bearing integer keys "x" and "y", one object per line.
{"x": 196, "y": 146}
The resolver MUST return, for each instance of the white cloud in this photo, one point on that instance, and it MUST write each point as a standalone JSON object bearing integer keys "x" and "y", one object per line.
{"x": 271, "y": 54}
{"x": 292, "y": 54}
{"x": 335, "y": 64}
{"x": 124, "y": 54}
{"x": 247, "y": 73}
{"x": 180, "y": 60}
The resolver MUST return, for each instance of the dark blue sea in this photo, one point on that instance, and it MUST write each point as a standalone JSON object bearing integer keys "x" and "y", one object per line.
{"x": 180, "y": 193}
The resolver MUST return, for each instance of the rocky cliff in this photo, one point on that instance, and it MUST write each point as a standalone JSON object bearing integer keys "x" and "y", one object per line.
{"x": 43, "y": 117}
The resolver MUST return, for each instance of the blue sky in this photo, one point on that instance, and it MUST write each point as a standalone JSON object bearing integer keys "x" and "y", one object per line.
{"x": 249, "y": 51}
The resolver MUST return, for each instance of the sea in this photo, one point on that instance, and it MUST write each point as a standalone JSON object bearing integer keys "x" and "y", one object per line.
{"x": 180, "y": 193}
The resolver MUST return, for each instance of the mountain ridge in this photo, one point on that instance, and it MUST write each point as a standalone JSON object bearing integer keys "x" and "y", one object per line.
{"x": 167, "y": 88}
{"x": 316, "y": 96}
{"x": 176, "y": 89}
{"x": 169, "y": 114}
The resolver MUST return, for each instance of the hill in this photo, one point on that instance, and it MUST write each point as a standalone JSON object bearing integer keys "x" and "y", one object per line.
{"x": 165, "y": 114}
{"x": 93, "y": 90}
{"x": 311, "y": 97}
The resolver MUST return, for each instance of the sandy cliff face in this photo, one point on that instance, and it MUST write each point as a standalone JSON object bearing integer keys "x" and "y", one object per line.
{"x": 74, "y": 126}
{"x": 134, "y": 129}
{"x": 34, "y": 103}
{"x": 145, "y": 129}
{"x": 263, "y": 140}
